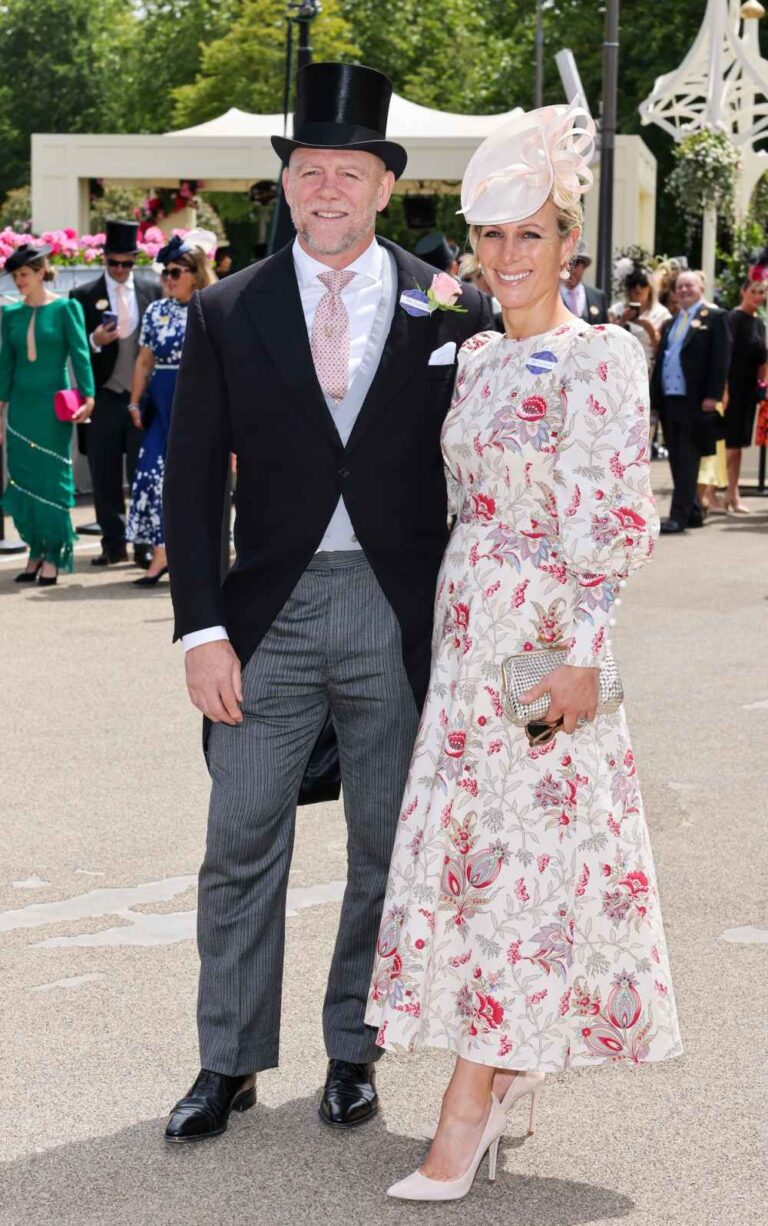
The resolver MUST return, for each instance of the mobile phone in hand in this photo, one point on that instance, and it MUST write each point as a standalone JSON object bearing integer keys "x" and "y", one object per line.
{"x": 109, "y": 320}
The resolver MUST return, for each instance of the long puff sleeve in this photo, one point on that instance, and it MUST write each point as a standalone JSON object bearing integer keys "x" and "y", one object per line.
{"x": 77, "y": 344}
{"x": 7, "y": 359}
{"x": 605, "y": 505}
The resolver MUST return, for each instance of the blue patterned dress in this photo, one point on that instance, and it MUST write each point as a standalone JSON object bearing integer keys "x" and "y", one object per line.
{"x": 162, "y": 331}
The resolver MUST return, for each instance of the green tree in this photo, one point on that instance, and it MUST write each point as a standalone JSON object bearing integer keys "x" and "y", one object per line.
{"x": 60, "y": 68}
{"x": 245, "y": 66}
{"x": 166, "y": 52}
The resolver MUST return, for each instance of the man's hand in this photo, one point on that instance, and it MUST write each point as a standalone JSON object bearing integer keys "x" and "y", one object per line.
{"x": 104, "y": 336}
{"x": 214, "y": 681}
{"x": 709, "y": 406}
{"x": 573, "y": 695}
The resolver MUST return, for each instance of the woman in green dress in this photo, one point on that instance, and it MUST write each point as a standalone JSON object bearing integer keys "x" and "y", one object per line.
{"x": 39, "y": 335}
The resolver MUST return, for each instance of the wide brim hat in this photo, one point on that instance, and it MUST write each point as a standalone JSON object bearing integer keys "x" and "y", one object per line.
{"x": 26, "y": 254}
{"x": 121, "y": 237}
{"x": 342, "y": 106}
{"x": 531, "y": 157}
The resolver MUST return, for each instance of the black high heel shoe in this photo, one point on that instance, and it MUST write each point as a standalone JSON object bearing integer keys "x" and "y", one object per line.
{"x": 29, "y": 576}
{"x": 150, "y": 580}
{"x": 48, "y": 580}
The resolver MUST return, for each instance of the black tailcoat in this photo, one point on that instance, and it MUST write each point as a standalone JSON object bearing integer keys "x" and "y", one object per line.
{"x": 704, "y": 357}
{"x": 147, "y": 290}
{"x": 247, "y": 385}
{"x": 596, "y": 308}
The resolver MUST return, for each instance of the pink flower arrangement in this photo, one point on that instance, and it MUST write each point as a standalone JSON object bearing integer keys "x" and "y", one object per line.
{"x": 70, "y": 248}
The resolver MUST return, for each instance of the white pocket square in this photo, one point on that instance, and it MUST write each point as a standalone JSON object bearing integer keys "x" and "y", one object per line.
{"x": 444, "y": 356}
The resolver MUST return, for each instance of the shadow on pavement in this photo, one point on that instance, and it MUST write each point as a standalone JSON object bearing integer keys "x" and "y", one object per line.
{"x": 274, "y": 1167}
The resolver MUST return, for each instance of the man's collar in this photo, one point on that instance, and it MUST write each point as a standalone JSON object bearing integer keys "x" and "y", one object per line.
{"x": 116, "y": 284}
{"x": 367, "y": 266}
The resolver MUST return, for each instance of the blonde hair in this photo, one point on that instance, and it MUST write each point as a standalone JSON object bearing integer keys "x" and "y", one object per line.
{"x": 569, "y": 217}
{"x": 198, "y": 263}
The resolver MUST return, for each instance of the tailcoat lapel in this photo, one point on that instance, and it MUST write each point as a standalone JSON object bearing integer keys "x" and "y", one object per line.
{"x": 273, "y": 303}
{"x": 408, "y": 345}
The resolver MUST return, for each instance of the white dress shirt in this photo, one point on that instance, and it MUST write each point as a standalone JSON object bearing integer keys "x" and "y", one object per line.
{"x": 361, "y": 297}
{"x": 113, "y": 293}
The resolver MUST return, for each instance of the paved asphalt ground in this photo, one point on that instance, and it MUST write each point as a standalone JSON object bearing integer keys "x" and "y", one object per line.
{"x": 103, "y": 804}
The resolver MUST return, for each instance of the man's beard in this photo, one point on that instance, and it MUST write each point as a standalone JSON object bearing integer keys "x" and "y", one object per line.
{"x": 345, "y": 242}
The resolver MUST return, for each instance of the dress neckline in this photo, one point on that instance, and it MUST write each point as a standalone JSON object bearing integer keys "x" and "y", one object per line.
{"x": 537, "y": 336}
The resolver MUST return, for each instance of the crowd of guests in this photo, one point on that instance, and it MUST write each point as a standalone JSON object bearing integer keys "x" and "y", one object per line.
{"x": 122, "y": 335}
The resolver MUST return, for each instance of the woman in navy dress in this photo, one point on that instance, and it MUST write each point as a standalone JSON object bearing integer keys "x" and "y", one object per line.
{"x": 186, "y": 268}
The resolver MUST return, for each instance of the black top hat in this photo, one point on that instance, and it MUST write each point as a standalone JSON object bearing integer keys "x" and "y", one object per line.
{"x": 26, "y": 254}
{"x": 122, "y": 237}
{"x": 435, "y": 249}
{"x": 342, "y": 106}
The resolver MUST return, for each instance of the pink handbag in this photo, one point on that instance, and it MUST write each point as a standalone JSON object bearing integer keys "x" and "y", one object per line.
{"x": 67, "y": 402}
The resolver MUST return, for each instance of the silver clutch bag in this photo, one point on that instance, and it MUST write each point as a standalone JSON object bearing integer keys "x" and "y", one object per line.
{"x": 521, "y": 672}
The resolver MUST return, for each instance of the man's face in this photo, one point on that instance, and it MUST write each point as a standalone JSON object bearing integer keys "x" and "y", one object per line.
{"x": 577, "y": 272}
{"x": 120, "y": 267}
{"x": 688, "y": 290}
{"x": 334, "y": 196}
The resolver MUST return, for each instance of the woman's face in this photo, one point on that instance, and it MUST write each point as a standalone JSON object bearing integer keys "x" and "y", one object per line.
{"x": 180, "y": 287}
{"x": 522, "y": 260}
{"x": 27, "y": 280}
{"x": 640, "y": 295}
{"x": 753, "y": 297}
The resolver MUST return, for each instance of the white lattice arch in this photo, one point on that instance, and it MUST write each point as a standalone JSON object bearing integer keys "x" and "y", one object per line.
{"x": 723, "y": 81}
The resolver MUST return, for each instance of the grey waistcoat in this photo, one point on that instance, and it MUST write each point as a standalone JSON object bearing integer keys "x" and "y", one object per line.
{"x": 339, "y": 534}
{"x": 127, "y": 349}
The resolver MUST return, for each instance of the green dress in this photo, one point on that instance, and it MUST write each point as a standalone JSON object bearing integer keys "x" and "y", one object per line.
{"x": 40, "y": 487}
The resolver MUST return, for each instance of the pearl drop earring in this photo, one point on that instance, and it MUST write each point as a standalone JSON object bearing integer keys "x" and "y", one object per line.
{"x": 565, "y": 272}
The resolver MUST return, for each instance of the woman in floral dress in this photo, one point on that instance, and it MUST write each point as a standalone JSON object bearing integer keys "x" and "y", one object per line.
{"x": 186, "y": 268}
{"x": 521, "y": 928}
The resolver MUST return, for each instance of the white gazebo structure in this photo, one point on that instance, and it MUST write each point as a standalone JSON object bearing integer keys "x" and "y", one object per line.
{"x": 722, "y": 82}
{"x": 232, "y": 151}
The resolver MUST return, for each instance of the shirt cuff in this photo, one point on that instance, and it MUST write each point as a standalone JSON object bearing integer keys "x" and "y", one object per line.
{"x": 211, "y": 634}
{"x": 94, "y": 347}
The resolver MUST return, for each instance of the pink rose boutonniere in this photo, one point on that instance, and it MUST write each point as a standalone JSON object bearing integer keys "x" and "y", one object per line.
{"x": 441, "y": 296}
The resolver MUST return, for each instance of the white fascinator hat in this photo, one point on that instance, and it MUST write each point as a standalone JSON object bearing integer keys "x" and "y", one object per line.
{"x": 533, "y": 156}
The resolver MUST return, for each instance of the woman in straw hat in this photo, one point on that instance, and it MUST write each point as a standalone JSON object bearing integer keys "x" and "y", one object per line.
{"x": 521, "y": 927}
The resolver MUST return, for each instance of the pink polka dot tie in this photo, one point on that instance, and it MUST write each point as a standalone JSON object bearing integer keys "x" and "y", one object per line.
{"x": 330, "y": 336}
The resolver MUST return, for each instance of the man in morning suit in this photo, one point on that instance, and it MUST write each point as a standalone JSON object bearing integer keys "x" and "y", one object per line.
{"x": 111, "y": 432}
{"x": 584, "y": 301}
{"x": 308, "y": 367}
{"x": 688, "y": 380}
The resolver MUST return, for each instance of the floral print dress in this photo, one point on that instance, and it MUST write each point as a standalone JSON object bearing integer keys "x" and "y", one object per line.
{"x": 162, "y": 331}
{"x": 522, "y": 926}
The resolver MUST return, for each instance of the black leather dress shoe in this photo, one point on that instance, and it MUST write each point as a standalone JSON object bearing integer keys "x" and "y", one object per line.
{"x": 670, "y": 527}
{"x": 350, "y": 1096}
{"x": 110, "y": 557}
{"x": 204, "y": 1111}
{"x": 696, "y": 521}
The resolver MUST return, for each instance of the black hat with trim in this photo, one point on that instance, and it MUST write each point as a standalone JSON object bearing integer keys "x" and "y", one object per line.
{"x": 342, "y": 106}
{"x": 25, "y": 255}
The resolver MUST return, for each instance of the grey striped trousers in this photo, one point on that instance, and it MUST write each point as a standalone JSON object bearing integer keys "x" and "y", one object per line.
{"x": 336, "y": 643}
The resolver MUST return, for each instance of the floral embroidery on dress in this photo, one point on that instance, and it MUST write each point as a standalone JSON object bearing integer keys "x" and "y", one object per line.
{"x": 522, "y": 926}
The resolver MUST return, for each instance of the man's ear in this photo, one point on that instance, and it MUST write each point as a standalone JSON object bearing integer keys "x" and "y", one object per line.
{"x": 385, "y": 190}
{"x": 286, "y": 180}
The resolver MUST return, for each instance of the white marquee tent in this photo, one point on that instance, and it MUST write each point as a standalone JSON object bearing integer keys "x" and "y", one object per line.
{"x": 233, "y": 151}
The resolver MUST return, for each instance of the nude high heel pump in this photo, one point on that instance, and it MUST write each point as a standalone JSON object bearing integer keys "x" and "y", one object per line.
{"x": 420, "y": 1187}
{"x": 524, "y": 1083}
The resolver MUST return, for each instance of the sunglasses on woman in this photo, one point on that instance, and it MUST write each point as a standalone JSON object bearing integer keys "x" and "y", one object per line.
{"x": 173, "y": 274}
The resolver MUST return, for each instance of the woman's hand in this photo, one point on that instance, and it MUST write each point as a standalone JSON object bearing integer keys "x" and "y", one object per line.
{"x": 573, "y": 695}
{"x": 85, "y": 410}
